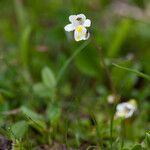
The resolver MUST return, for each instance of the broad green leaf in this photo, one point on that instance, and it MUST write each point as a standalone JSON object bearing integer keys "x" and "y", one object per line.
{"x": 48, "y": 77}
{"x": 41, "y": 90}
{"x": 19, "y": 129}
{"x": 137, "y": 147}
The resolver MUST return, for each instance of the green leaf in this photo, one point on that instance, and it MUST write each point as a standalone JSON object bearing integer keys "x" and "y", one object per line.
{"x": 137, "y": 147}
{"x": 19, "y": 129}
{"x": 119, "y": 38}
{"x": 41, "y": 90}
{"x": 147, "y": 140}
{"x": 38, "y": 125}
{"x": 6, "y": 93}
{"x": 35, "y": 120}
{"x": 31, "y": 114}
{"x": 20, "y": 13}
{"x": 48, "y": 77}
{"x": 25, "y": 32}
{"x": 24, "y": 45}
{"x": 4, "y": 132}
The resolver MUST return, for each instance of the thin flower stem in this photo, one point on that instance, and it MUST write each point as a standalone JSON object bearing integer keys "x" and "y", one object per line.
{"x": 112, "y": 87}
{"x": 111, "y": 131}
{"x": 106, "y": 69}
{"x": 122, "y": 133}
{"x": 111, "y": 126}
{"x": 69, "y": 60}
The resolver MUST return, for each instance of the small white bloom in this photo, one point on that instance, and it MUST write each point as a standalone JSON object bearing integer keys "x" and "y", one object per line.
{"x": 81, "y": 33}
{"x": 79, "y": 24}
{"x": 126, "y": 109}
{"x": 130, "y": 56}
{"x": 111, "y": 99}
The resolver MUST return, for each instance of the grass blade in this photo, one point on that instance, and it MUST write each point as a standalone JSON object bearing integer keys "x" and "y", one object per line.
{"x": 140, "y": 74}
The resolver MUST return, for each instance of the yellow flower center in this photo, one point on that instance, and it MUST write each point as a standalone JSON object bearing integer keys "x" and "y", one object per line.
{"x": 133, "y": 102}
{"x": 79, "y": 29}
{"x": 78, "y": 37}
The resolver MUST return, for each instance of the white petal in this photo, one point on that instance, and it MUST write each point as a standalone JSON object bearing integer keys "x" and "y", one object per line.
{"x": 82, "y": 16}
{"x": 111, "y": 99}
{"x": 80, "y": 35}
{"x": 77, "y": 36}
{"x": 121, "y": 106}
{"x": 69, "y": 27}
{"x": 86, "y": 36}
{"x": 76, "y": 23}
{"x": 125, "y": 110}
{"x": 129, "y": 114}
{"x": 72, "y": 18}
{"x": 87, "y": 23}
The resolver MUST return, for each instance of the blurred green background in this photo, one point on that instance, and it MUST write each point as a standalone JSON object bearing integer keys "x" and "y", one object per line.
{"x": 74, "y": 113}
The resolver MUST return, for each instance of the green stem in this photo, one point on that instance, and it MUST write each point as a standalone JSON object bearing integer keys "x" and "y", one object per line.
{"x": 112, "y": 87}
{"x": 122, "y": 133}
{"x": 111, "y": 126}
{"x": 106, "y": 69}
{"x": 145, "y": 76}
{"x": 111, "y": 131}
{"x": 69, "y": 60}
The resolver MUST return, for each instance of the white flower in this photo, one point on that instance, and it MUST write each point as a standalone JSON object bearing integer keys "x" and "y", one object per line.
{"x": 126, "y": 109}
{"x": 111, "y": 99}
{"x": 79, "y": 24}
{"x": 81, "y": 33}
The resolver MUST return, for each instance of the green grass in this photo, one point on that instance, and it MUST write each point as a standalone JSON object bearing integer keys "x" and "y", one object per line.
{"x": 53, "y": 90}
